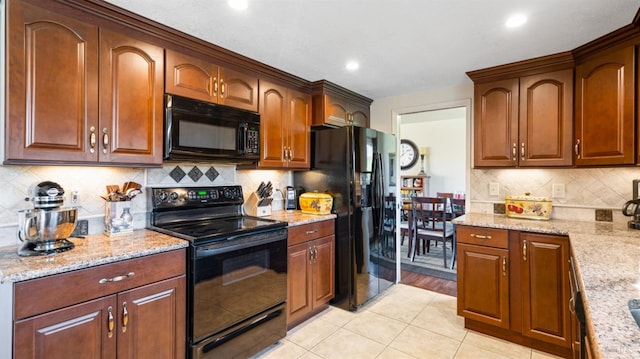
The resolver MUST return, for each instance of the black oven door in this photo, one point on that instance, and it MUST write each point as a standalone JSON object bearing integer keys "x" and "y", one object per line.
{"x": 235, "y": 280}
{"x": 196, "y": 129}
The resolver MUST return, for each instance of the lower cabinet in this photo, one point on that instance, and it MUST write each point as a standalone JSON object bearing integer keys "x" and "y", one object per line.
{"x": 514, "y": 285}
{"x": 129, "y": 309}
{"x": 311, "y": 270}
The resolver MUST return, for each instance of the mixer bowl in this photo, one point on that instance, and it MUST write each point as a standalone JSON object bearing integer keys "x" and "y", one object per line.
{"x": 41, "y": 225}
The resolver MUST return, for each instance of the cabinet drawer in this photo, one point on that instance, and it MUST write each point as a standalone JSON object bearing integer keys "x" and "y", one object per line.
{"x": 490, "y": 237}
{"x": 307, "y": 232}
{"x": 48, "y": 293}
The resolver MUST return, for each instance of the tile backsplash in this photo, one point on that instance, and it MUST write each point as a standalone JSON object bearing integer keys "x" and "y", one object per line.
{"x": 586, "y": 189}
{"x": 90, "y": 183}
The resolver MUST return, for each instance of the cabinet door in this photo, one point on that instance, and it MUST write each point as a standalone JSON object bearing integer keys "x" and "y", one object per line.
{"x": 483, "y": 284}
{"x": 298, "y": 130}
{"x": 545, "y": 288}
{"x": 52, "y": 88}
{"x": 359, "y": 115}
{"x": 336, "y": 111}
{"x": 238, "y": 89}
{"x": 79, "y": 331}
{"x": 190, "y": 77}
{"x": 323, "y": 270}
{"x": 496, "y": 124}
{"x": 546, "y": 119}
{"x": 299, "y": 265}
{"x": 151, "y": 320}
{"x": 273, "y": 104}
{"x": 604, "y": 123}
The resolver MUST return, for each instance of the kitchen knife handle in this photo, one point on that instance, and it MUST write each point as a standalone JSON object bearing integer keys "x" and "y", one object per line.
{"x": 105, "y": 140}
{"x": 92, "y": 139}
{"x": 110, "y": 322}
{"x": 125, "y": 317}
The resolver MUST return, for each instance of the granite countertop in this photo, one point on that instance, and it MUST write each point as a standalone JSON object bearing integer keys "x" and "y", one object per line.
{"x": 297, "y": 218}
{"x": 607, "y": 257}
{"x": 89, "y": 251}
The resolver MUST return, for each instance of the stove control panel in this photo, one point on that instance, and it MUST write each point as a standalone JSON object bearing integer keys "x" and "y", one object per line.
{"x": 196, "y": 196}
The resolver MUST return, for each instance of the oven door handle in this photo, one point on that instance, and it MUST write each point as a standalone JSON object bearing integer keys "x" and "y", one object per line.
{"x": 224, "y": 247}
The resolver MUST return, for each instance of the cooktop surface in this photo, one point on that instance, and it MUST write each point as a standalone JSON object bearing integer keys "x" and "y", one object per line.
{"x": 219, "y": 228}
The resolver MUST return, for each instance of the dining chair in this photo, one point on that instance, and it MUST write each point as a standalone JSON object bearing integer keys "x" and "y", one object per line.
{"x": 429, "y": 223}
{"x": 389, "y": 224}
{"x": 457, "y": 210}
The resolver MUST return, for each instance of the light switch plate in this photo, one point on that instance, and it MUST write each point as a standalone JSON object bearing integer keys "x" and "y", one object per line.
{"x": 557, "y": 190}
{"x": 494, "y": 189}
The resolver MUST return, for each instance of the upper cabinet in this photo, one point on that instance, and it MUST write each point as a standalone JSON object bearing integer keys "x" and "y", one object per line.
{"x": 78, "y": 93}
{"x": 335, "y": 106}
{"x": 605, "y": 122}
{"x": 285, "y": 116}
{"x": 199, "y": 79}
{"x": 523, "y": 121}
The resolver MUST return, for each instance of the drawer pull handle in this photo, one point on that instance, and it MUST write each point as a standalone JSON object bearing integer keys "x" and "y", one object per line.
{"x": 110, "y": 322}
{"x": 116, "y": 279}
{"x": 125, "y": 317}
{"x": 312, "y": 232}
{"x": 524, "y": 250}
{"x": 480, "y": 236}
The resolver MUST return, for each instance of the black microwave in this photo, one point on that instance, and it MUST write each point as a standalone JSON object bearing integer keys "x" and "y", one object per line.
{"x": 198, "y": 130}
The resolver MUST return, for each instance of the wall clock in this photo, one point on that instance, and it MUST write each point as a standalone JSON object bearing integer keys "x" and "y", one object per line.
{"x": 408, "y": 154}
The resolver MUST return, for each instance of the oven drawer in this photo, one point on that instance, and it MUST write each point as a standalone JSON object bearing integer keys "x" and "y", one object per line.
{"x": 310, "y": 231}
{"x": 489, "y": 237}
{"x": 52, "y": 292}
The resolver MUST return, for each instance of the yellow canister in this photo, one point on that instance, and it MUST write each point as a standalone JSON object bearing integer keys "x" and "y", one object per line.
{"x": 528, "y": 207}
{"x": 316, "y": 203}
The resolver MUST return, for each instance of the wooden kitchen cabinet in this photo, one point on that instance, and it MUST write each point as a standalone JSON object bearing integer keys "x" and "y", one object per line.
{"x": 514, "y": 285}
{"x": 605, "y": 124}
{"x": 140, "y": 313}
{"x": 78, "y": 93}
{"x": 285, "y": 132}
{"x": 524, "y": 121}
{"x": 203, "y": 80}
{"x": 483, "y": 275}
{"x": 335, "y": 106}
{"x": 311, "y": 270}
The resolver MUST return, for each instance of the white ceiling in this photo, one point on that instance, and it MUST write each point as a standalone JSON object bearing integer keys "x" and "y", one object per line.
{"x": 403, "y": 46}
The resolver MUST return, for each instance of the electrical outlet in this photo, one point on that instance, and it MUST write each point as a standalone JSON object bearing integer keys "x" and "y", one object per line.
{"x": 75, "y": 198}
{"x": 557, "y": 190}
{"x": 494, "y": 189}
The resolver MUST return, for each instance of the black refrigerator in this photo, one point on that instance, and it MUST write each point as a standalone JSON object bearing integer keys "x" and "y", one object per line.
{"x": 353, "y": 165}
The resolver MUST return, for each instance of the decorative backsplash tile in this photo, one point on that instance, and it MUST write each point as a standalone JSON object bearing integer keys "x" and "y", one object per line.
{"x": 177, "y": 174}
{"x": 212, "y": 174}
{"x": 195, "y": 174}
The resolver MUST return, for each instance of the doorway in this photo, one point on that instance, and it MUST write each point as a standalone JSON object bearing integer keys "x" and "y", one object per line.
{"x": 442, "y": 134}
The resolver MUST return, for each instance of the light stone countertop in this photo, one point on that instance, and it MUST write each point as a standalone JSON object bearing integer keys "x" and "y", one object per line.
{"x": 607, "y": 257}
{"x": 90, "y": 251}
{"x": 297, "y": 218}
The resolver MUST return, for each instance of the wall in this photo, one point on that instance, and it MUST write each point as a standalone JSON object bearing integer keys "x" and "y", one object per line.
{"x": 586, "y": 189}
{"x": 90, "y": 182}
{"x": 445, "y": 145}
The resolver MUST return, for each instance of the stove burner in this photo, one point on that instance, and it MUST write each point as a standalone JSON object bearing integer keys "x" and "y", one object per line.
{"x": 30, "y": 249}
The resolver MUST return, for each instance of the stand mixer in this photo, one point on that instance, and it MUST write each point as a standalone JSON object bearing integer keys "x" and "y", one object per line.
{"x": 45, "y": 229}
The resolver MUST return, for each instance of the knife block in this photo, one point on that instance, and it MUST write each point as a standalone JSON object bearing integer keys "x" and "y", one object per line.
{"x": 251, "y": 207}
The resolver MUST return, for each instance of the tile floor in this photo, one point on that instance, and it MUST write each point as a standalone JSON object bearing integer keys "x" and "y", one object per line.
{"x": 404, "y": 322}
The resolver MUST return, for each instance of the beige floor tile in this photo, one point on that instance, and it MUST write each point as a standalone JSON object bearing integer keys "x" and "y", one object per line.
{"x": 498, "y": 346}
{"x": 391, "y": 353}
{"x": 344, "y": 344}
{"x": 469, "y": 351}
{"x": 442, "y": 321}
{"x": 310, "y": 355}
{"x": 535, "y": 354}
{"x": 422, "y": 343}
{"x": 376, "y": 327}
{"x": 283, "y": 350}
{"x": 310, "y": 333}
{"x": 336, "y": 316}
{"x": 403, "y": 303}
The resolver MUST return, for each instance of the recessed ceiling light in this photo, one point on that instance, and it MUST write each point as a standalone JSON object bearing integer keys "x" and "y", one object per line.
{"x": 352, "y": 65}
{"x": 238, "y": 4}
{"x": 515, "y": 20}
